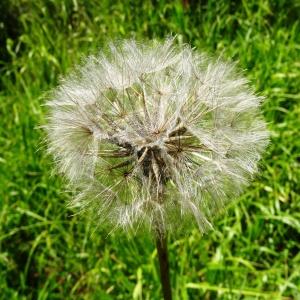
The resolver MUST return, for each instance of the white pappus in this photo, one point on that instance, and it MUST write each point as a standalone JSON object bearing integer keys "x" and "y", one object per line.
{"x": 155, "y": 134}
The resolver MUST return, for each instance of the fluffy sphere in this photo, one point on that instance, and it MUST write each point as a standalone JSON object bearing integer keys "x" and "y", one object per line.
{"x": 156, "y": 135}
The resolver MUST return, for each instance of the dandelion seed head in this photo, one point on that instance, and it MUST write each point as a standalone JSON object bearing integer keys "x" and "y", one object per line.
{"x": 155, "y": 134}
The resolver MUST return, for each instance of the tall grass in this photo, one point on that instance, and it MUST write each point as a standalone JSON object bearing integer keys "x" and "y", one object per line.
{"x": 46, "y": 252}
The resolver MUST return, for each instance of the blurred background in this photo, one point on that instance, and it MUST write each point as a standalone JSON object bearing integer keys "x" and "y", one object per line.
{"x": 47, "y": 252}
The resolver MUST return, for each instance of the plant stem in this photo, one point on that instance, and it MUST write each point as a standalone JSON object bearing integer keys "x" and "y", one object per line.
{"x": 162, "y": 251}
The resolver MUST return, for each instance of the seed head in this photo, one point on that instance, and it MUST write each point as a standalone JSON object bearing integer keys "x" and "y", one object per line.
{"x": 155, "y": 134}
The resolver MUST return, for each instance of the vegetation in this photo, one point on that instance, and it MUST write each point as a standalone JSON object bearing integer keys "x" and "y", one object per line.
{"x": 47, "y": 252}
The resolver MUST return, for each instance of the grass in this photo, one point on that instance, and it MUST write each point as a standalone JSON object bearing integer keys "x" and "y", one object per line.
{"x": 46, "y": 252}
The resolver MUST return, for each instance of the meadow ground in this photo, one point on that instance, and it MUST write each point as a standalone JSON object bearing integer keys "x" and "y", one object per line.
{"x": 46, "y": 252}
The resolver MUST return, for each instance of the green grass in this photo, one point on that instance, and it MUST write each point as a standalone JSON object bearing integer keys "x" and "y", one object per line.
{"x": 48, "y": 253}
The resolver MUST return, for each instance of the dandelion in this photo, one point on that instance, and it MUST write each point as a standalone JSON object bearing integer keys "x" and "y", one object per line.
{"x": 154, "y": 135}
